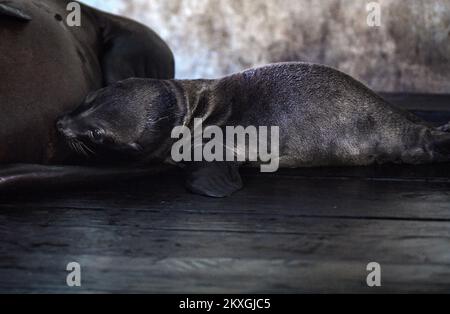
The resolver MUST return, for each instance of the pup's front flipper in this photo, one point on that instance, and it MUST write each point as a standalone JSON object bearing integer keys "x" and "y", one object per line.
{"x": 215, "y": 179}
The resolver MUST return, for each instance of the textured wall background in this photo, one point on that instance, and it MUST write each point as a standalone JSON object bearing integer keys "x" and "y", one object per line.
{"x": 410, "y": 52}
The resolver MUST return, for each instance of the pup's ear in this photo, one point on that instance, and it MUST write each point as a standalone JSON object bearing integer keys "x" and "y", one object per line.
{"x": 86, "y": 103}
{"x": 13, "y": 10}
{"x": 133, "y": 50}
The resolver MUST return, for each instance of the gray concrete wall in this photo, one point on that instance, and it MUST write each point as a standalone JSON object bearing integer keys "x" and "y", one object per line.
{"x": 410, "y": 52}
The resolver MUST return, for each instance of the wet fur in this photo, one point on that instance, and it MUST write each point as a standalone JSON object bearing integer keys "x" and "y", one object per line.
{"x": 326, "y": 117}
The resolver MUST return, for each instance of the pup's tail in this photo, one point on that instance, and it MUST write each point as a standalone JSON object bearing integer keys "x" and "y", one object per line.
{"x": 26, "y": 177}
{"x": 441, "y": 143}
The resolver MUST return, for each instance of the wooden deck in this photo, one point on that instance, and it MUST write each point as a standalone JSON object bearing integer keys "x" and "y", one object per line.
{"x": 302, "y": 231}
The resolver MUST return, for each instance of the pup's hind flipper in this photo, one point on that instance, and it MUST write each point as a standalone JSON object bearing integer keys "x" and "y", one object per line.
{"x": 444, "y": 128}
{"x": 12, "y": 10}
{"x": 441, "y": 145}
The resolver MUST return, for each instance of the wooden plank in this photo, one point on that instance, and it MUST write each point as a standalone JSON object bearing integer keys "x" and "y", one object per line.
{"x": 148, "y": 272}
{"x": 419, "y": 102}
{"x": 164, "y": 251}
{"x": 219, "y": 275}
{"x": 153, "y": 234}
{"x": 432, "y": 108}
{"x": 439, "y": 172}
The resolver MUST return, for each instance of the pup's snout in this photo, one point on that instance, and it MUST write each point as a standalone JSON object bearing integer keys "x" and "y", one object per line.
{"x": 62, "y": 126}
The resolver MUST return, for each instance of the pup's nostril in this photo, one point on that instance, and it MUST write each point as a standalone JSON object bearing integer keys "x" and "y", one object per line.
{"x": 63, "y": 129}
{"x": 60, "y": 126}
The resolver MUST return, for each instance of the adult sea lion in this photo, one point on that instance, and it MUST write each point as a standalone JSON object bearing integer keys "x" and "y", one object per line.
{"x": 48, "y": 67}
{"x": 325, "y": 118}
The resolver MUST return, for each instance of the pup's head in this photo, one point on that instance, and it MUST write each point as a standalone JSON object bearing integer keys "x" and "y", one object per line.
{"x": 119, "y": 117}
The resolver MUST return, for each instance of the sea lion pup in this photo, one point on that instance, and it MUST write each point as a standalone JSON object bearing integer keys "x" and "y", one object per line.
{"x": 325, "y": 118}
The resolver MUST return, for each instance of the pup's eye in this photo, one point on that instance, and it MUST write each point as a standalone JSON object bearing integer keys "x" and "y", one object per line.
{"x": 97, "y": 134}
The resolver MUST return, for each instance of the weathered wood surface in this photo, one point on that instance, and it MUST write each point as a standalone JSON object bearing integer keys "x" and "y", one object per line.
{"x": 306, "y": 230}
{"x": 435, "y": 108}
